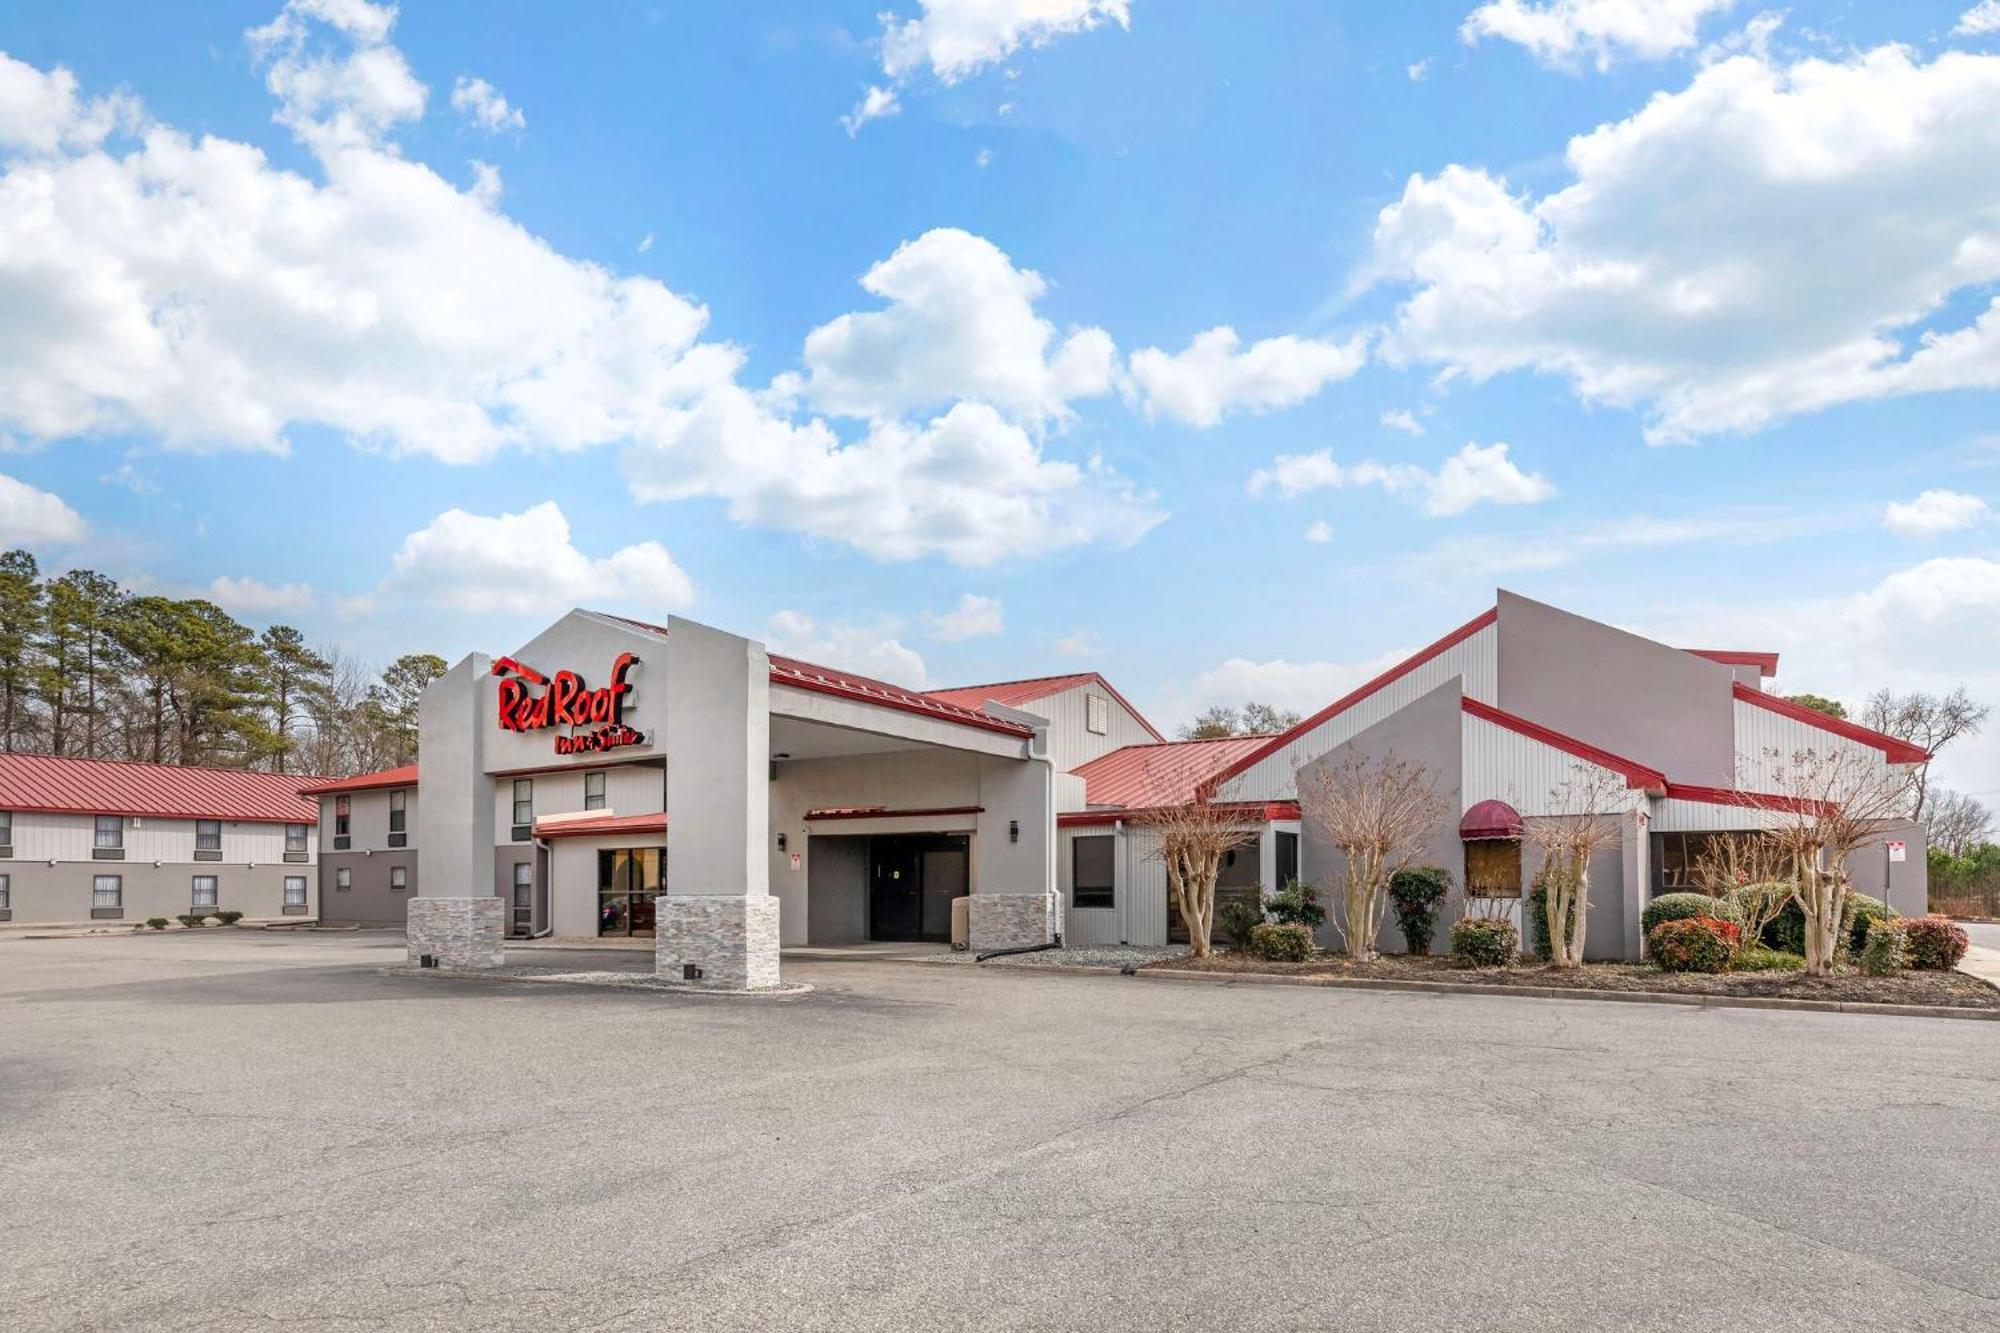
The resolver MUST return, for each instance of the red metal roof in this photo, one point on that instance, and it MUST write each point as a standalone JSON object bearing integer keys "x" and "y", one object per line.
{"x": 1766, "y": 663}
{"x": 1253, "y": 812}
{"x": 1141, "y": 776}
{"x": 884, "y": 812}
{"x": 846, "y": 684}
{"x": 406, "y": 776}
{"x": 1896, "y": 750}
{"x": 1019, "y": 693}
{"x": 1756, "y": 800}
{"x": 46, "y": 783}
{"x": 598, "y": 826}
{"x": 1272, "y": 745}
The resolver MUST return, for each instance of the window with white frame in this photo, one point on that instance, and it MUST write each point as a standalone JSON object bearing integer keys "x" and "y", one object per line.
{"x": 399, "y": 878}
{"x": 6, "y": 828}
{"x": 343, "y": 880}
{"x": 107, "y": 895}
{"x": 205, "y": 890}
{"x": 208, "y": 840}
{"x": 343, "y": 823}
{"x": 593, "y": 790}
{"x": 524, "y": 809}
{"x": 1093, "y": 881}
{"x": 1096, "y": 714}
{"x": 399, "y": 812}
{"x": 295, "y": 842}
{"x": 295, "y": 894}
{"x": 108, "y": 838}
{"x": 6, "y": 893}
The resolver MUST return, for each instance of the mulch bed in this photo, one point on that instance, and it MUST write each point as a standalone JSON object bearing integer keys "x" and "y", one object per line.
{"x": 1950, "y": 989}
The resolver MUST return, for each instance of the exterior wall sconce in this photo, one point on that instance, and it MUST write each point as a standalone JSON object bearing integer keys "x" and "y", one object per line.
{"x": 781, "y": 842}
{"x": 1013, "y": 830}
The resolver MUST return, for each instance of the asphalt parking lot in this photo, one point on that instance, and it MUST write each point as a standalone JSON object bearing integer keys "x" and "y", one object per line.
{"x": 235, "y": 1130}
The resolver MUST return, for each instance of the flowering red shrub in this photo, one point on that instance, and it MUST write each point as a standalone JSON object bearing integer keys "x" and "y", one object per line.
{"x": 1694, "y": 944}
{"x": 1935, "y": 943}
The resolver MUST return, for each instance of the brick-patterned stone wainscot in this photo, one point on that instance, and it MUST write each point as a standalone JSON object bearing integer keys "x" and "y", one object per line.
{"x": 1013, "y": 920}
{"x": 458, "y": 932}
{"x": 733, "y": 939}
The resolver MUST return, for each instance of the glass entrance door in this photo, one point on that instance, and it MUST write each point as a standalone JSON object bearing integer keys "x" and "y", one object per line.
{"x": 628, "y": 879}
{"x": 911, "y": 882}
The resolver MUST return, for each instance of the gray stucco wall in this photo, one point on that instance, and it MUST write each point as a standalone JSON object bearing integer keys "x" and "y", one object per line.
{"x": 718, "y": 723}
{"x": 454, "y": 833}
{"x": 1430, "y": 733}
{"x": 41, "y": 893}
{"x": 369, "y": 900}
{"x": 1905, "y": 883}
{"x": 836, "y": 890}
{"x": 1643, "y": 700}
{"x": 1605, "y": 932}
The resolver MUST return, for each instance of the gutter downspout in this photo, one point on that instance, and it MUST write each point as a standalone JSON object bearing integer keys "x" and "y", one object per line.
{"x": 542, "y": 849}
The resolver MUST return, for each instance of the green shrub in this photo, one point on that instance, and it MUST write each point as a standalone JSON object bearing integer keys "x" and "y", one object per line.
{"x": 1485, "y": 941}
{"x": 1297, "y": 904}
{"x": 191, "y": 919}
{"x": 1757, "y": 958}
{"x": 229, "y": 918}
{"x": 1693, "y": 944}
{"x": 1863, "y": 912}
{"x": 1538, "y": 911}
{"x": 1788, "y": 928}
{"x": 157, "y": 922}
{"x": 1686, "y": 906}
{"x": 1237, "y": 919}
{"x": 1936, "y": 943}
{"x": 1885, "y": 952}
{"x": 1417, "y": 894}
{"x": 1756, "y": 905}
{"x": 1281, "y": 942}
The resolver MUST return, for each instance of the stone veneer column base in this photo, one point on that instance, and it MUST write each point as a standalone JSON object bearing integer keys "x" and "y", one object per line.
{"x": 458, "y": 932}
{"x": 732, "y": 938}
{"x": 1013, "y": 920}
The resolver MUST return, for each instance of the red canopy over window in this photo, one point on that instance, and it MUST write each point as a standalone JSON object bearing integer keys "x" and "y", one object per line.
{"x": 1490, "y": 819}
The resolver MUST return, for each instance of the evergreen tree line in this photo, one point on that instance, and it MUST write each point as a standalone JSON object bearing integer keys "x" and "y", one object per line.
{"x": 91, "y": 670}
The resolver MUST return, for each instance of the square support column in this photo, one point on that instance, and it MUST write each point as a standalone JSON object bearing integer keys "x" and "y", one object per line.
{"x": 1013, "y": 920}
{"x": 457, "y": 932}
{"x": 717, "y": 912}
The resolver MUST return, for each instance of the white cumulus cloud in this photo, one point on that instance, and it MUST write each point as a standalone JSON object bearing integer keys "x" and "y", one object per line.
{"x": 875, "y": 104}
{"x": 1476, "y": 474}
{"x": 1214, "y": 374}
{"x": 974, "y": 617}
{"x": 31, "y": 517}
{"x": 527, "y": 564}
{"x": 1319, "y": 531}
{"x": 1772, "y": 240}
{"x": 249, "y": 596}
{"x": 870, "y": 650}
{"x": 481, "y": 103}
{"x": 1935, "y": 512}
{"x": 958, "y": 38}
{"x": 1563, "y": 33}
{"x": 1980, "y": 20}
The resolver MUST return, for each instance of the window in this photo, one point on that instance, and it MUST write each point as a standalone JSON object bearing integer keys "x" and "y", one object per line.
{"x": 204, "y": 890}
{"x": 524, "y": 809}
{"x": 343, "y": 880}
{"x": 295, "y": 842}
{"x": 208, "y": 840}
{"x": 399, "y": 879}
{"x": 1096, "y": 714}
{"x": 108, "y": 844}
{"x": 524, "y": 898}
{"x": 399, "y": 819}
{"x": 343, "y": 818}
{"x": 593, "y": 790}
{"x": 1092, "y": 879}
{"x": 6, "y": 898}
{"x": 6, "y": 828}
{"x": 1493, "y": 868}
{"x": 107, "y": 896}
{"x": 1287, "y": 850}
{"x": 295, "y": 895}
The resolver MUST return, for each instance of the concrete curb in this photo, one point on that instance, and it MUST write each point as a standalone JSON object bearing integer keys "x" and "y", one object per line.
{"x": 630, "y": 982}
{"x": 1574, "y": 993}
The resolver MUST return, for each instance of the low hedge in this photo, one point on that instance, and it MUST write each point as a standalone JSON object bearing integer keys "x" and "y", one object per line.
{"x": 1788, "y": 929}
{"x": 1238, "y": 919}
{"x": 1757, "y": 958}
{"x": 1483, "y": 941}
{"x": 192, "y": 920}
{"x": 1281, "y": 942}
{"x": 1693, "y": 944}
{"x": 1687, "y": 906}
{"x": 1885, "y": 952}
{"x": 1934, "y": 943}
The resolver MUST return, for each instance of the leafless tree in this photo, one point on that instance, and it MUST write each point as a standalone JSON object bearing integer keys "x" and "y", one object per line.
{"x": 1957, "y": 822}
{"x": 1737, "y": 861}
{"x": 1584, "y": 818}
{"x": 1380, "y": 814}
{"x": 1192, "y": 841}
{"x": 1932, "y": 721}
{"x": 1829, "y": 802}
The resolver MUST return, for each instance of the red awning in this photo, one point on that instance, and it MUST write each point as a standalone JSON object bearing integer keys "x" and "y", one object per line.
{"x": 1490, "y": 819}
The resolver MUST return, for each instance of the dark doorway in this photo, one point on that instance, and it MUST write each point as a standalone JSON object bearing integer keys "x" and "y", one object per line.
{"x": 628, "y": 879}
{"x": 911, "y": 882}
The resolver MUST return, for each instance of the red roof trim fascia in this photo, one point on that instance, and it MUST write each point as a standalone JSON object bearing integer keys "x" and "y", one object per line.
{"x": 1756, "y": 800}
{"x": 602, "y": 826}
{"x": 1897, "y": 751}
{"x": 1766, "y": 663}
{"x": 879, "y": 812}
{"x": 820, "y": 680}
{"x": 307, "y": 817}
{"x": 1491, "y": 616}
{"x": 1269, "y": 812}
{"x": 1057, "y": 684}
{"x": 403, "y": 776}
{"x": 1636, "y": 775}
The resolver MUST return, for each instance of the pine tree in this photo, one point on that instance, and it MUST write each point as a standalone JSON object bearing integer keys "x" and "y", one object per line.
{"x": 293, "y": 675}
{"x": 20, "y": 624}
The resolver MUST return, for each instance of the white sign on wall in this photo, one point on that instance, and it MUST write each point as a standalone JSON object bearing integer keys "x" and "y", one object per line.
{"x": 1897, "y": 852}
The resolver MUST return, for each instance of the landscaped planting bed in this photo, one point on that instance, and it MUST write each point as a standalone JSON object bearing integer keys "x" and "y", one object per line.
{"x": 1949, "y": 989}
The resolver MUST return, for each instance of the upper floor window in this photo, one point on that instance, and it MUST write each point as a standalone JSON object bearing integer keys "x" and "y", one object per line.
{"x": 398, "y": 811}
{"x": 6, "y": 828}
{"x": 208, "y": 835}
{"x": 1096, "y": 714}
{"x": 593, "y": 790}
{"x": 295, "y": 837}
{"x": 524, "y": 809}
{"x": 343, "y": 813}
{"x": 108, "y": 841}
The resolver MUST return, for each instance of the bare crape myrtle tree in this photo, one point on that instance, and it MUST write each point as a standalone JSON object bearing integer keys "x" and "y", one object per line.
{"x": 1192, "y": 842}
{"x": 1585, "y": 817}
{"x": 1380, "y": 815}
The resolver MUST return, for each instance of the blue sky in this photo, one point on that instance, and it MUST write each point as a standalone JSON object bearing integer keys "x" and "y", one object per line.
{"x": 300, "y": 314}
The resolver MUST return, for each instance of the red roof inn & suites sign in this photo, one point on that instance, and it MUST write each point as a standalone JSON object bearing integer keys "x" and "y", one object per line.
{"x": 530, "y": 701}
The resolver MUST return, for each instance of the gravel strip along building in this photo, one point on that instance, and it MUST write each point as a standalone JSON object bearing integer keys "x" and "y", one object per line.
{"x": 617, "y": 778}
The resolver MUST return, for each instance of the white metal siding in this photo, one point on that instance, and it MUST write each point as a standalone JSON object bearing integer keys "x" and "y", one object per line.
{"x": 1071, "y": 742}
{"x": 61, "y": 837}
{"x": 1502, "y": 764}
{"x": 1087, "y": 925}
{"x": 1476, "y": 660}
{"x": 1759, "y": 730}
{"x": 1672, "y": 816}
{"x": 1142, "y": 888}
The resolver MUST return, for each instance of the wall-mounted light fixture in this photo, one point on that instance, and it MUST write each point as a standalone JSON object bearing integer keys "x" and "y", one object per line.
{"x": 1013, "y": 830}
{"x": 781, "y": 842}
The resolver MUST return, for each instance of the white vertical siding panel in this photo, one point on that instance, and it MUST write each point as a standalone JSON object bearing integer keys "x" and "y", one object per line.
{"x": 1071, "y": 741}
{"x": 1142, "y": 888}
{"x": 1674, "y": 816}
{"x": 1759, "y": 730}
{"x": 1088, "y": 925}
{"x": 1476, "y": 660}
{"x": 1503, "y": 765}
